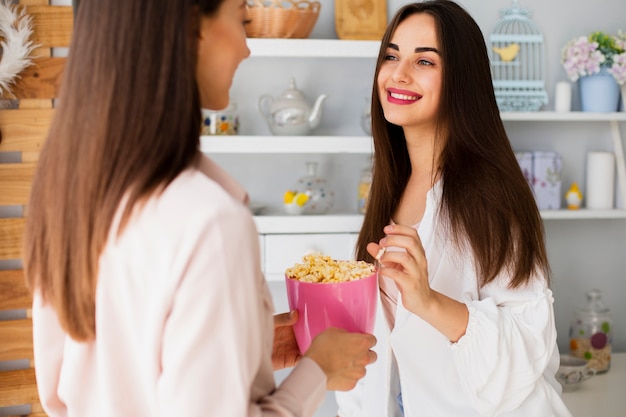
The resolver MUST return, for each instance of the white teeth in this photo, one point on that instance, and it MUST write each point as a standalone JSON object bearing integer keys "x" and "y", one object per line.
{"x": 403, "y": 97}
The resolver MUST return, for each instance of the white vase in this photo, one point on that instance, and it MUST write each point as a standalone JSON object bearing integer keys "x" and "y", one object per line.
{"x": 623, "y": 102}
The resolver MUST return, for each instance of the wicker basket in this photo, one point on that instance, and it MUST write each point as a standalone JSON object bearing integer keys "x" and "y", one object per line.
{"x": 281, "y": 18}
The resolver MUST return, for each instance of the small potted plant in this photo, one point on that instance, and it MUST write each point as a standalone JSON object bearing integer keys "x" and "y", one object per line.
{"x": 591, "y": 60}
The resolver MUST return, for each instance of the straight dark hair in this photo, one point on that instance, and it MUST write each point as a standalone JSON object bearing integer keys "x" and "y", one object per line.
{"x": 486, "y": 201}
{"x": 126, "y": 125}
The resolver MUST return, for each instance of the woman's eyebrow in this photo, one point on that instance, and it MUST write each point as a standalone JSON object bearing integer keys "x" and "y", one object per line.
{"x": 418, "y": 49}
{"x": 426, "y": 49}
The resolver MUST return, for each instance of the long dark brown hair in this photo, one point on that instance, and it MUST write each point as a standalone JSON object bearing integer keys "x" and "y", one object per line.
{"x": 126, "y": 125}
{"x": 486, "y": 200}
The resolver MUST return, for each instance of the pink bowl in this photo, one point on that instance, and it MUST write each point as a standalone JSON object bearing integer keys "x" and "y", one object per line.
{"x": 349, "y": 305}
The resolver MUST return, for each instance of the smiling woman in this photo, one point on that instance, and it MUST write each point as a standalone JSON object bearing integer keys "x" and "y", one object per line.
{"x": 464, "y": 277}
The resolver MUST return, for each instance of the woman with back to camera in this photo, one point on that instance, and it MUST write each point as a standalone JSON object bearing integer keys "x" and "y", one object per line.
{"x": 141, "y": 253}
{"x": 464, "y": 275}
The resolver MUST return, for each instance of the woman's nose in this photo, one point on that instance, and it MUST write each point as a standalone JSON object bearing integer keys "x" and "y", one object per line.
{"x": 400, "y": 73}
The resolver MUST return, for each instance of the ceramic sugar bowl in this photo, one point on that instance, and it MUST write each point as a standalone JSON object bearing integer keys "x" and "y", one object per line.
{"x": 572, "y": 372}
{"x": 289, "y": 114}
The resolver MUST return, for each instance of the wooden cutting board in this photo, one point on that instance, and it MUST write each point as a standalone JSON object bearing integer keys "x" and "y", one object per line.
{"x": 360, "y": 19}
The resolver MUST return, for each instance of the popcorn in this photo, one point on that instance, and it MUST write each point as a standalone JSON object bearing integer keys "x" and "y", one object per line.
{"x": 323, "y": 269}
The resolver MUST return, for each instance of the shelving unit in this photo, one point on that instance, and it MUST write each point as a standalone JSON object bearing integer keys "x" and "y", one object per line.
{"x": 276, "y": 223}
{"x": 286, "y": 144}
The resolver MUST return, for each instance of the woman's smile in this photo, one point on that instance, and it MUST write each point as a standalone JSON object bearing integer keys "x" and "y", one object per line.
{"x": 402, "y": 97}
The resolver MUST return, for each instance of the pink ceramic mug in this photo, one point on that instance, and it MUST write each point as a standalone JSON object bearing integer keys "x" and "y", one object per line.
{"x": 349, "y": 305}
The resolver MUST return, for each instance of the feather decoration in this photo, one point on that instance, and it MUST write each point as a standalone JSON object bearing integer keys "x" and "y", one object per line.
{"x": 16, "y": 29}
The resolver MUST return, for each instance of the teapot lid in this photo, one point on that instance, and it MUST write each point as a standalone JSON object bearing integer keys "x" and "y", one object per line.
{"x": 292, "y": 93}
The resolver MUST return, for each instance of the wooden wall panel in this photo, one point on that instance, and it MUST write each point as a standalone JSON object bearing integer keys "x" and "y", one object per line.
{"x": 11, "y": 238}
{"x": 24, "y": 130}
{"x": 15, "y": 183}
{"x": 33, "y": 2}
{"x": 18, "y": 387}
{"x": 41, "y": 80}
{"x": 52, "y": 25}
{"x": 13, "y": 292}
{"x": 17, "y": 340}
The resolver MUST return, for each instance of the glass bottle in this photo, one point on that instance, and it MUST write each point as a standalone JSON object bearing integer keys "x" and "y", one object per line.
{"x": 310, "y": 194}
{"x": 591, "y": 333}
{"x": 363, "y": 190}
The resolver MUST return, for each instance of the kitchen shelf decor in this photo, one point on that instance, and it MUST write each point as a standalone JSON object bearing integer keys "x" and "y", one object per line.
{"x": 281, "y": 18}
{"x": 517, "y": 61}
{"x": 360, "y": 19}
{"x": 594, "y": 61}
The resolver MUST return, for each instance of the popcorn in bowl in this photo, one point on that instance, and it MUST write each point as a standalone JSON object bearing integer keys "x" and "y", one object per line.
{"x": 319, "y": 268}
{"x": 346, "y": 299}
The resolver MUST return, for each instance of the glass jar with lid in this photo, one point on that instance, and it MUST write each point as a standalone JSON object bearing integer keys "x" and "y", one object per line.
{"x": 591, "y": 333}
{"x": 311, "y": 194}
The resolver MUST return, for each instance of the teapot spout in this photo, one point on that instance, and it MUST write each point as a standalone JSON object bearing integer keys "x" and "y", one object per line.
{"x": 316, "y": 112}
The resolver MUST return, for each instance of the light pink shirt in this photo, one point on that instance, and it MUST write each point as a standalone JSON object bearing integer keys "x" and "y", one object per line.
{"x": 183, "y": 318}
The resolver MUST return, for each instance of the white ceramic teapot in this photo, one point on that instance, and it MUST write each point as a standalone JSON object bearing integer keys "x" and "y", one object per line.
{"x": 289, "y": 114}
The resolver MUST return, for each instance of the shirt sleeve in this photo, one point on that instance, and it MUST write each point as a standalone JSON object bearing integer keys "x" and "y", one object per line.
{"x": 216, "y": 351}
{"x": 510, "y": 339}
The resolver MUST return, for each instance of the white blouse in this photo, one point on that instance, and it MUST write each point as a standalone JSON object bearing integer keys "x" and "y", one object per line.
{"x": 504, "y": 365}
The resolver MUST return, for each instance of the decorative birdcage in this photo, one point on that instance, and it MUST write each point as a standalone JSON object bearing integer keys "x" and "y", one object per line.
{"x": 517, "y": 61}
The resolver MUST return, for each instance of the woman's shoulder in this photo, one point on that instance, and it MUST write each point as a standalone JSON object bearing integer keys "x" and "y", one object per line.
{"x": 192, "y": 201}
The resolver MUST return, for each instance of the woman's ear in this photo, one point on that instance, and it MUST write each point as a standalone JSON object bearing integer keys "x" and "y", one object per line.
{"x": 203, "y": 26}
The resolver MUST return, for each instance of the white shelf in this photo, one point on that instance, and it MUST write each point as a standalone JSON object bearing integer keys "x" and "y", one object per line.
{"x": 583, "y": 214}
{"x": 363, "y": 144}
{"x": 312, "y": 48}
{"x": 550, "y": 116}
{"x": 286, "y": 144}
{"x": 351, "y": 223}
{"x": 328, "y": 223}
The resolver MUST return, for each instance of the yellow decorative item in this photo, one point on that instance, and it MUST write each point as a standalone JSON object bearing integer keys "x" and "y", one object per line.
{"x": 301, "y": 199}
{"x": 573, "y": 197}
{"x": 508, "y": 53}
{"x": 288, "y": 197}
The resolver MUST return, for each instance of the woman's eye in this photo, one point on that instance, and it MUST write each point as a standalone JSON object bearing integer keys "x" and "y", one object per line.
{"x": 247, "y": 22}
{"x": 390, "y": 58}
{"x": 424, "y": 62}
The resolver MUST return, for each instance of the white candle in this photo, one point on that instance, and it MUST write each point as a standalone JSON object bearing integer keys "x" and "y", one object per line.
{"x": 600, "y": 188}
{"x": 563, "y": 96}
